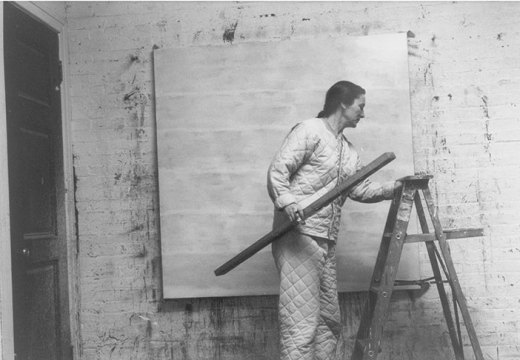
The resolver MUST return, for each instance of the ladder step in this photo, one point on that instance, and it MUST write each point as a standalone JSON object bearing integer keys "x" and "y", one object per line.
{"x": 449, "y": 234}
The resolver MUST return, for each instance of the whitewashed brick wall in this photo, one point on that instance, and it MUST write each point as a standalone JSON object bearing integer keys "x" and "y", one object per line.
{"x": 464, "y": 76}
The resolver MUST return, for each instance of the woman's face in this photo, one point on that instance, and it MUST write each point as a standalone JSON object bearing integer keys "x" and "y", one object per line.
{"x": 352, "y": 114}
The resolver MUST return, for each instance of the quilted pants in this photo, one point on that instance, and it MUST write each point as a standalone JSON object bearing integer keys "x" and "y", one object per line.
{"x": 309, "y": 315}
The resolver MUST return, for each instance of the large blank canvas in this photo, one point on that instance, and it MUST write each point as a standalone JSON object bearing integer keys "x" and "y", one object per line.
{"x": 223, "y": 111}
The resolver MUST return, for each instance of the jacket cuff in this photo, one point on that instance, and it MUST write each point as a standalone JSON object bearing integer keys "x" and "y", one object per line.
{"x": 388, "y": 190}
{"x": 284, "y": 200}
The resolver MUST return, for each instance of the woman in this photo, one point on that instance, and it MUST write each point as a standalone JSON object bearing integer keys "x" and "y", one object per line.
{"x": 314, "y": 157}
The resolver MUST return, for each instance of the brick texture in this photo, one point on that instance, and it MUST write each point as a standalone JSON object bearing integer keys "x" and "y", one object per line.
{"x": 464, "y": 78}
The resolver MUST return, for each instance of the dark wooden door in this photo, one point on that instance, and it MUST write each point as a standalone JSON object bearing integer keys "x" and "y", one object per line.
{"x": 36, "y": 188}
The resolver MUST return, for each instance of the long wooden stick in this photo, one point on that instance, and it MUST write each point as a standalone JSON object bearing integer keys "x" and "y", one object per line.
{"x": 310, "y": 210}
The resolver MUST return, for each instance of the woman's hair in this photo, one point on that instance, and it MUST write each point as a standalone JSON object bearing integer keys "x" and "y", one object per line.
{"x": 342, "y": 92}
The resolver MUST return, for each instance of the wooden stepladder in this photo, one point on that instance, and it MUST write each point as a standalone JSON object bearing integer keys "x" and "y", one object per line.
{"x": 367, "y": 346}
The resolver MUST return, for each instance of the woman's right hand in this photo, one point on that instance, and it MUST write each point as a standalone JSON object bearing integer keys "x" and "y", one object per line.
{"x": 294, "y": 212}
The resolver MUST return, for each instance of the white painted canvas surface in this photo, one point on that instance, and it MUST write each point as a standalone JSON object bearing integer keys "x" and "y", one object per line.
{"x": 223, "y": 111}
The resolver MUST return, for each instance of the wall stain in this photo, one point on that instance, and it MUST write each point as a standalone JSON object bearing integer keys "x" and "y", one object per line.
{"x": 162, "y": 25}
{"x": 464, "y": 22}
{"x": 413, "y": 48}
{"x": 131, "y": 60}
{"x": 484, "y": 106}
{"x": 142, "y": 341}
{"x": 196, "y": 35}
{"x": 142, "y": 253}
{"x": 157, "y": 274}
{"x": 365, "y": 28}
{"x": 128, "y": 96}
{"x": 229, "y": 33}
{"x": 188, "y": 324}
{"x": 428, "y": 75}
{"x": 136, "y": 100}
{"x": 137, "y": 227}
{"x": 75, "y": 192}
{"x": 488, "y": 136}
{"x": 445, "y": 148}
{"x": 424, "y": 12}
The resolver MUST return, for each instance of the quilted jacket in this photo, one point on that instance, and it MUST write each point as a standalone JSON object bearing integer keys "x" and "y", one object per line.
{"x": 310, "y": 162}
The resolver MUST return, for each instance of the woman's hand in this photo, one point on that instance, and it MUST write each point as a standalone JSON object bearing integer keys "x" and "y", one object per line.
{"x": 294, "y": 212}
{"x": 398, "y": 186}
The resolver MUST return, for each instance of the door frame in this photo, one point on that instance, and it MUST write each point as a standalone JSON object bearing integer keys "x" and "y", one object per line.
{"x": 6, "y": 307}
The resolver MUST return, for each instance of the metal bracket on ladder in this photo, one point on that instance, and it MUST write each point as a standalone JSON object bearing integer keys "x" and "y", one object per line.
{"x": 367, "y": 345}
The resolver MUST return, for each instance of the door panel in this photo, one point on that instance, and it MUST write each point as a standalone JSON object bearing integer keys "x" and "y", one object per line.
{"x": 39, "y": 205}
{"x": 36, "y": 188}
{"x": 44, "y": 318}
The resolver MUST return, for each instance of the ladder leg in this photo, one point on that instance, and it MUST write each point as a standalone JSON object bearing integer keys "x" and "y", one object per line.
{"x": 385, "y": 241}
{"x": 364, "y": 327}
{"x": 453, "y": 279}
{"x": 376, "y": 309}
{"x": 430, "y": 247}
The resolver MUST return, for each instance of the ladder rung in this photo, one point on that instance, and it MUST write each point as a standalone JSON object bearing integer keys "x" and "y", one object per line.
{"x": 388, "y": 235}
{"x": 449, "y": 234}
